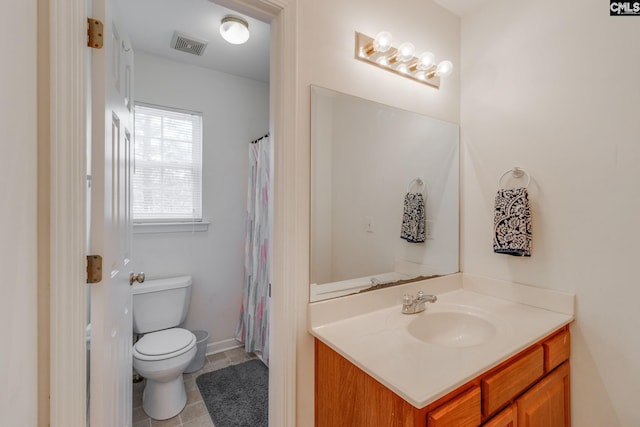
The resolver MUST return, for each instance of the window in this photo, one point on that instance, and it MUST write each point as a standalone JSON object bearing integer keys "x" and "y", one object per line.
{"x": 167, "y": 183}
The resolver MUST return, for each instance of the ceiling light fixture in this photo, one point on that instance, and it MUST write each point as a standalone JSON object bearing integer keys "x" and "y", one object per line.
{"x": 401, "y": 60}
{"x": 234, "y": 29}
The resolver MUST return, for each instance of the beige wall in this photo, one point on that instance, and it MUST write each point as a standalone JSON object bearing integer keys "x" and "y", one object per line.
{"x": 326, "y": 50}
{"x": 553, "y": 87}
{"x": 18, "y": 300}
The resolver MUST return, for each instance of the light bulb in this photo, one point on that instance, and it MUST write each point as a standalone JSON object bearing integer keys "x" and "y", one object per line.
{"x": 444, "y": 69}
{"x": 235, "y": 30}
{"x": 426, "y": 60}
{"x": 382, "y": 41}
{"x": 382, "y": 61}
{"x": 403, "y": 68}
{"x": 405, "y": 52}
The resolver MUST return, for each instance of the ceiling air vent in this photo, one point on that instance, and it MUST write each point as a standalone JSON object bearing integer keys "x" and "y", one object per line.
{"x": 188, "y": 43}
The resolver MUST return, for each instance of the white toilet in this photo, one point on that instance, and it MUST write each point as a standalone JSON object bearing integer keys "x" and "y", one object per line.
{"x": 165, "y": 351}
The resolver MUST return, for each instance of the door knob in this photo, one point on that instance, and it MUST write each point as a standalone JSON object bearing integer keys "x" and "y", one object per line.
{"x": 136, "y": 278}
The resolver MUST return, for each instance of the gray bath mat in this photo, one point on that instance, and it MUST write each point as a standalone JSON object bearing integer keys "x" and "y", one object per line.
{"x": 237, "y": 396}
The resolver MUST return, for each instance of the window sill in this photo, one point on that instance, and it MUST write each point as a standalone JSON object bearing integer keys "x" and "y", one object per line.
{"x": 170, "y": 227}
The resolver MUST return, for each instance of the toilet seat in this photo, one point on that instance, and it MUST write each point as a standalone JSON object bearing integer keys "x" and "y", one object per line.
{"x": 164, "y": 344}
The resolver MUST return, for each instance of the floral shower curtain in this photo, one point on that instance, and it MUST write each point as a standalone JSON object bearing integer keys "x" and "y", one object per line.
{"x": 253, "y": 328}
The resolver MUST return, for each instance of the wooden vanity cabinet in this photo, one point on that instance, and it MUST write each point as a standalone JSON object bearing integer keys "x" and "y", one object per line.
{"x": 531, "y": 389}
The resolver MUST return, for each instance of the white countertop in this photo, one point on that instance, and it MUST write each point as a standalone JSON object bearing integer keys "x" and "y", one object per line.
{"x": 370, "y": 331}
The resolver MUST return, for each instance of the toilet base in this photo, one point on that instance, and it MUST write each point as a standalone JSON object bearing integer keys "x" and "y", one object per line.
{"x": 164, "y": 400}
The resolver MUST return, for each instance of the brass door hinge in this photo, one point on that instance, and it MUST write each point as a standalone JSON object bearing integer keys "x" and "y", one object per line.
{"x": 96, "y": 33}
{"x": 94, "y": 268}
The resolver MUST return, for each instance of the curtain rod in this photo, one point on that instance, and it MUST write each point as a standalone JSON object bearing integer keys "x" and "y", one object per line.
{"x": 261, "y": 138}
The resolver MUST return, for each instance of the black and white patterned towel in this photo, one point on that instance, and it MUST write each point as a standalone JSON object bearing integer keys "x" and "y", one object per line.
{"x": 512, "y": 223}
{"x": 414, "y": 218}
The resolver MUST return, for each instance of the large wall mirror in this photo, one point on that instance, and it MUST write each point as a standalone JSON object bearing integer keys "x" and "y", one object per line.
{"x": 365, "y": 158}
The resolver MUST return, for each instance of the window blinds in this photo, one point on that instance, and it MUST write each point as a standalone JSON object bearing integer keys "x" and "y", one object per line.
{"x": 167, "y": 182}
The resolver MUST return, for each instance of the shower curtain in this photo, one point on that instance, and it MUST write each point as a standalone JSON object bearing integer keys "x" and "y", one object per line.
{"x": 253, "y": 327}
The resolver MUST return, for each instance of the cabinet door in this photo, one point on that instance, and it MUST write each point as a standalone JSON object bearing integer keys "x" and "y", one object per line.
{"x": 506, "y": 418}
{"x": 547, "y": 403}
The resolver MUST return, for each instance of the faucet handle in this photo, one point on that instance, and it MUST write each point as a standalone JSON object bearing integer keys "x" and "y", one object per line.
{"x": 407, "y": 303}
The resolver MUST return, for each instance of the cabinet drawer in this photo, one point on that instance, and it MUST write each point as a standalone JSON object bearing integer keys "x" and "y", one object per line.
{"x": 556, "y": 350}
{"x": 463, "y": 411}
{"x": 507, "y": 383}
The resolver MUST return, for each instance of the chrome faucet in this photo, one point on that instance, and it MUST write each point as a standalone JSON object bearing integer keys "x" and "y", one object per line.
{"x": 411, "y": 305}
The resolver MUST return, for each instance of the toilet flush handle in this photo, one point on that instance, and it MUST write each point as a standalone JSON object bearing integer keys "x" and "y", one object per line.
{"x": 136, "y": 278}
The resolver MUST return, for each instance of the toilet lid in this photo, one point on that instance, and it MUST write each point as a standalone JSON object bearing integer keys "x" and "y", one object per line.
{"x": 164, "y": 342}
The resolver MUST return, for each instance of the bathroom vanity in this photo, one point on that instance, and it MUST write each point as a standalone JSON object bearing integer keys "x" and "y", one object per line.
{"x": 378, "y": 367}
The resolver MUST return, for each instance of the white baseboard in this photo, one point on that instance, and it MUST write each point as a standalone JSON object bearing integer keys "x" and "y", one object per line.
{"x": 224, "y": 345}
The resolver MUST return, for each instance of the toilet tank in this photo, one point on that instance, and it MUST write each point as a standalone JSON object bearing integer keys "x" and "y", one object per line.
{"x": 160, "y": 304}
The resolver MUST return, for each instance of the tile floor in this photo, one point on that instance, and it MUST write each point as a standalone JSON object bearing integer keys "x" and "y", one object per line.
{"x": 195, "y": 414}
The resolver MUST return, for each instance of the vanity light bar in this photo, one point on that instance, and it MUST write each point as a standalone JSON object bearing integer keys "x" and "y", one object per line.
{"x": 400, "y": 60}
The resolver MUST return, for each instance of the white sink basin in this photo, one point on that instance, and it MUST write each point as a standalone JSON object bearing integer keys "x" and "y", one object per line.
{"x": 452, "y": 329}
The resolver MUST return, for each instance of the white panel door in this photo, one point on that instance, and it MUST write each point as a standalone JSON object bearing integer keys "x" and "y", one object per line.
{"x": 111, "y": 311}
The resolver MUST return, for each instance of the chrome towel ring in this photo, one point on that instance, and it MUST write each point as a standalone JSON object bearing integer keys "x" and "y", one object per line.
{"x": 417, "y": 181}
{"x": 517, "y": 173}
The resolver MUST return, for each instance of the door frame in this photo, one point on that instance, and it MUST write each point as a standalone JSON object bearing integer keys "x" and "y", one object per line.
{"x": 67, "y": 158}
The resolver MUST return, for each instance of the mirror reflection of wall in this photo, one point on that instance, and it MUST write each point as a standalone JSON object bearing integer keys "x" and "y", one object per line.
{"x": 365, "y": 155}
